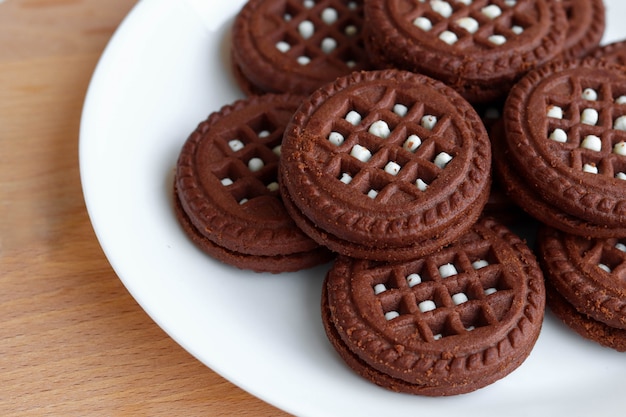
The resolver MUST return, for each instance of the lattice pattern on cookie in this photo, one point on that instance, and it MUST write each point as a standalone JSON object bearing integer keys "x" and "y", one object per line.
{"x": 389, "y": 146}
{"x": 606, "y": 254}
{"x": 445, "y": 294}
{"x": 471, "y": 24}
{"x": 250, "y": 152}
{"x": 586, "y": 123}
{"x": 321, "y": 32}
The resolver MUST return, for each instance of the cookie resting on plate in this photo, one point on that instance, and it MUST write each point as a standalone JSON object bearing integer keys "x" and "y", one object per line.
{"x": 586, "y": 282}
{"x": 480, "y": 48}
{"x": 564, "y": 157}
{"x": 444, "y": 324}
{"x": 288, "y": 46}
{"x": 226, "y": 189}
{"x": 385, "y": 165}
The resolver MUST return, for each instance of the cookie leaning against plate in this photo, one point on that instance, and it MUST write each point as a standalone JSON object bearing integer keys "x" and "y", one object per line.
{"x": 478, "y": 47}
{"x": 586, "y": 279}
{"x": 385, "y": 165}
{"x": 445, "y": 324}
{"x": 565, "y": 129}
{"x": 226, "y": 190}
{"x": 286, "y": 46}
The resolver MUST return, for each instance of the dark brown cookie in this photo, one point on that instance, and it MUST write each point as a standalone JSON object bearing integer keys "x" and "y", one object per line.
{"x": 589, "y": 273}
{"x": 448, "y": 323}
{"x": 587, "y": 21}
{"x": 385, "y": 165}
{"x": 565, "y": 129}
{"x": 584, "y": 325}
{"x": 480, "y": 48}
{"x": 226, "y": 188}
{"x": 288, "y": 46}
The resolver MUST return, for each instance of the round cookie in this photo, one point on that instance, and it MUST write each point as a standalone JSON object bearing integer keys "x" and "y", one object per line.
{"x": 226, "y": 189}
{"x": 479, "y": 48}
{"x": 586, "y": 24}
{"x": 589, "y": 273}
{"x": 282, "y": 46}
{"x": 531, "y": 201}
{"x": 565, "y": 136}
{"x": 385, "y": 165}
{"x": 445, "y": 324}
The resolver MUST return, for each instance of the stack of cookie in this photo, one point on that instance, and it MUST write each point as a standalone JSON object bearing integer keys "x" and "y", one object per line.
{"x": 563, "y": 160}
{"x": 361, "y": 142}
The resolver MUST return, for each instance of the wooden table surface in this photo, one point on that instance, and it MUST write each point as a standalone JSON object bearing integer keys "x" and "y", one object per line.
{"x": 72, "y": 340}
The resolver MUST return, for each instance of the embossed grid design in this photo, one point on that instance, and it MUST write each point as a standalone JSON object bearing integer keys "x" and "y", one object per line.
{"x": 344, "y": 31}
{"x": 489, "y": 295}
{"x": 370, "y": 176}
{"x": 259, "y": 139}
{"x": 576, "y": 128}
{"x": 607, "y": 254}
{"x": 515, "y": 17}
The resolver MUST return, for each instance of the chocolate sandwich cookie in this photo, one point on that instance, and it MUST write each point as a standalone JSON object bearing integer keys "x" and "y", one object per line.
{"x": 385, "y": 165}
{"x": 587, "y": 284}
{"x": 533, "y": 204}
{"x": 480, "y": 48}
{"x": 564, "y": 159}
{"x": 296, "y": 46}
{"x": 448, "y": 323}
{"x": 582, "y": 324}
{"x": 586, "y": 24}
{"x": 226, "y": 189}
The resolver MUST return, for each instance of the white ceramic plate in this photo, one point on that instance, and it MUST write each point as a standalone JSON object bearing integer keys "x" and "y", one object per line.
{"x": 165, "y": 70}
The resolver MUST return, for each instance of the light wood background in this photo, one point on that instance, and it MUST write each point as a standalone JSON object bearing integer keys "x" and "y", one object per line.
{"x": 73, "y": 342}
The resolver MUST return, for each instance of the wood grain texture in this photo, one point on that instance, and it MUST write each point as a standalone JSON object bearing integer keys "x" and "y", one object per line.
{"x": 72, "y": 340}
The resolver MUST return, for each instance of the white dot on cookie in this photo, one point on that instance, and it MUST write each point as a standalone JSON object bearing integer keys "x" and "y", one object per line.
{"x": 413, "y": 280}
{"x": 391, "y": 315}
{"x": 589, "y": 94}
{"x": 428, "y": 121}
{"x": 448, "y": 37}
{"x": 379, "y": 288}
{"x": 361, "y": 153}
{"x": 558, "y": 135}
{"x": 353, "y": 117}
{"x": 427, "y": 305}
{"x": 442, "y": 159}
{"x": 590, "y": 168}
{"x": 423, "y": 23}
{"x": 554, "y": 112}
{"x": 255, "y": 164}
{"x": 592, "y": 142}
{"x": 336, "y": 138}
{"x": 328, "y": 45}
{"x": 459, "y": 298}
{"x": 235, "y": 145}
{"x": 443, "y": 8}
{"x": 469, "y": 24}
{"x": 589, "y": 117}
{"x": 380, "y": 128}
{"x": 306, "y": 29}
{"x": 447, "y": 270}
{"x": 392, "y": 168}
{"x": 412, "y": 143}
{"x": 329, "y": 15}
